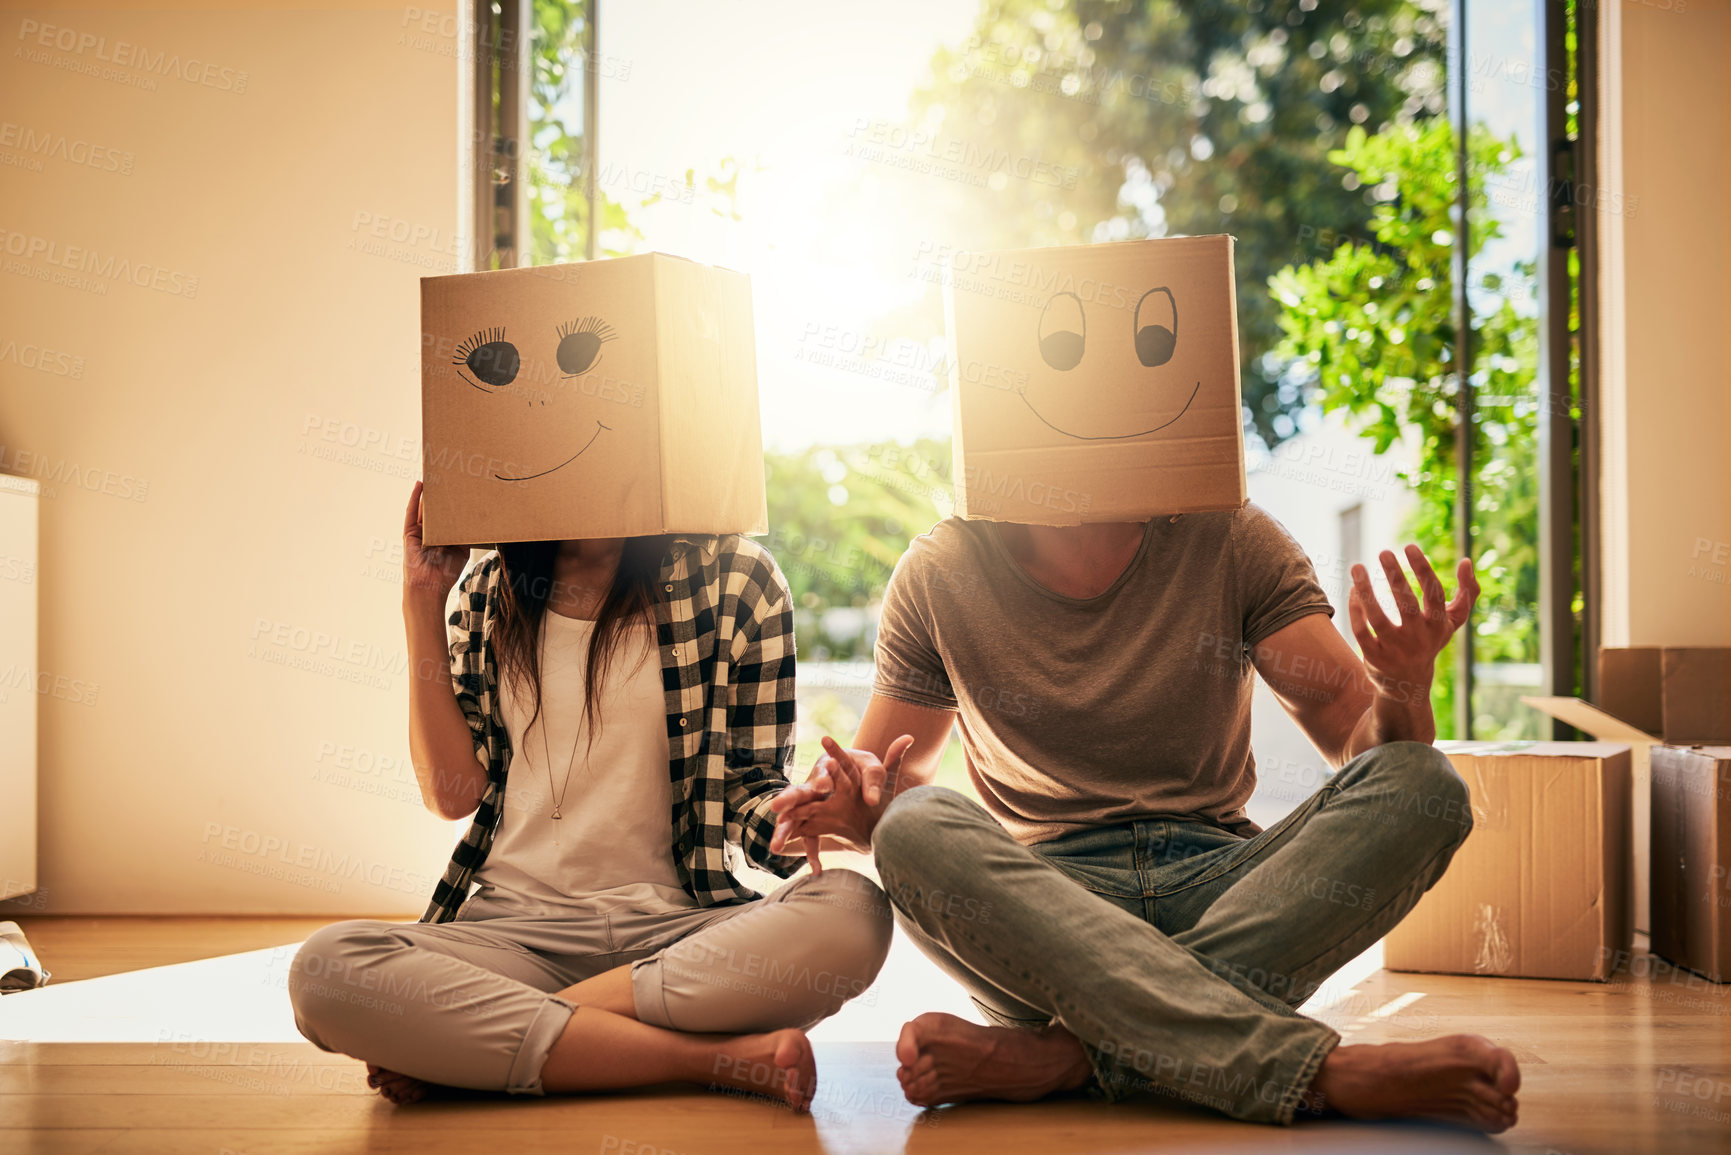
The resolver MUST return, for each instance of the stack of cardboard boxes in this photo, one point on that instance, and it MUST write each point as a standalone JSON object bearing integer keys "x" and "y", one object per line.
{"x": 1576, "y": 844}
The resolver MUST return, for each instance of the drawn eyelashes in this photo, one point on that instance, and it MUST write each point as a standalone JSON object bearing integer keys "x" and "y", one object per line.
{"x": 1063, "y": 332}
{"x": 489, "y": 356}
{"x": 580, "y": 344}
{"x": 495, "y": 361}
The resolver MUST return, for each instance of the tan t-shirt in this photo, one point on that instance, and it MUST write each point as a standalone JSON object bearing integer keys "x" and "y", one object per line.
{"x": 1080, "y": 712}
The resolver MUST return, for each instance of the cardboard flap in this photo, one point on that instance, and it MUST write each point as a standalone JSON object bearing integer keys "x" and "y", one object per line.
{"x": 1589, "y": 719}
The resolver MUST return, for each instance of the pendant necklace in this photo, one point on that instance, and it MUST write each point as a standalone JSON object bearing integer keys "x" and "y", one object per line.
{"x": 571, "y": 762}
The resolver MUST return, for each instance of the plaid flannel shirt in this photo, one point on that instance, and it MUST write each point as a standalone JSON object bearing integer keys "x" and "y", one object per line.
{"x": 725, "y": 627}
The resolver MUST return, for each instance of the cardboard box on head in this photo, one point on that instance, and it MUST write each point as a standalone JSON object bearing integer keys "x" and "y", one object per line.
{"x": 611, "y": 398}
{"x": 1096, "y": 382}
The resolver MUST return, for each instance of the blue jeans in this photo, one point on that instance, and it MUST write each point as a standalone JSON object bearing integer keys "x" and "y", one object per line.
{"x": 1177, "y": 952}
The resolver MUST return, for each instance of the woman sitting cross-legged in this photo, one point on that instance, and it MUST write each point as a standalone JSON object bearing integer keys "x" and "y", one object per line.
{"x": 614, "y": 713}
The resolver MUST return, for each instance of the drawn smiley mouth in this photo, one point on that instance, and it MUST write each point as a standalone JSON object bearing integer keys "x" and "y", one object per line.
{"x": 532, "y": 476}
{"x": 1110, "y": 436}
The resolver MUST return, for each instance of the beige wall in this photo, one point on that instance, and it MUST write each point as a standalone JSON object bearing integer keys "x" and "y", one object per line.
{"x": 1667, "y": 376}
{"x": 225, "y": 446}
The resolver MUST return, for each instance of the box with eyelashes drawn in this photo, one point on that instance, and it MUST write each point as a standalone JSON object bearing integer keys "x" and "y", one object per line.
{"x": 1095, "y": 382}
{"x": 610, "y": 398}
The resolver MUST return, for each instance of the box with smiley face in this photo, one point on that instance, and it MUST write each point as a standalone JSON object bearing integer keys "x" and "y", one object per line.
{"x": 1096, "y": 382}
{"x": 611, "y": 398}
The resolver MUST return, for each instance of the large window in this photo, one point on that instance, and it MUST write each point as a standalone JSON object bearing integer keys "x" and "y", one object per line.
{"x": 841, "y": 157}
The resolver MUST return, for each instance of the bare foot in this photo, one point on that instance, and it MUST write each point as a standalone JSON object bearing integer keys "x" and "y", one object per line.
{"x": 949, "y": 1060}
{"x": 779, "y": 1064}
{"x": 399, "y": 1089}
{"x": 1466, "y": 1080}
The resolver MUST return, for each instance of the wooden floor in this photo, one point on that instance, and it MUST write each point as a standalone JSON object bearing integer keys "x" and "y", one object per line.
{"x": 1632, "y": 1066}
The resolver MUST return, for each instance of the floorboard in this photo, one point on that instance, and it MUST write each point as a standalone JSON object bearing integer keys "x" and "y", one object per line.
{"x": 171, "y": 1035}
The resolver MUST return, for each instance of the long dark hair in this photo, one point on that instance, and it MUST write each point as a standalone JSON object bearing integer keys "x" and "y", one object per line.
{"x": 528, "y": 571}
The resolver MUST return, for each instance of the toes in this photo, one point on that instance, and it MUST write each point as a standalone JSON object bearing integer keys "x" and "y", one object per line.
{"x": 908, "y": 1044}
{"x": 793, "y": 1054}
{"x": 1489, "y": 1109}
{"x": 400, "y": 1089}
{"x": 793, "y": 1088}
{"x": 1508, "y": 1078}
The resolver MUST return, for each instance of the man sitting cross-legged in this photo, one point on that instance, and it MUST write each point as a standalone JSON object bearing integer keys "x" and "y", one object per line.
{"x": 1111, "y": 907}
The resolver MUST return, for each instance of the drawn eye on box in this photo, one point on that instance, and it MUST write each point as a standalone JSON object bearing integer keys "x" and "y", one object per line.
{"x": 1062, "y": 338}
{"x": 489, "y": 361}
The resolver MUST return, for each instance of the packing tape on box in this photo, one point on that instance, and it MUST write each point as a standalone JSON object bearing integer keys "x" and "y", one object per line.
{"x": 1494, "y": 955}
{"x": 1485, "y": 817}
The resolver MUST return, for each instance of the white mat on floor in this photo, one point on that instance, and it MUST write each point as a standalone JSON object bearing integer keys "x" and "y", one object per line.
{"x": 243, "y": 998}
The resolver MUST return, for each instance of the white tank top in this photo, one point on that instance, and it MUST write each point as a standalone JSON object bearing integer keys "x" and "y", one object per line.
{"x": 612, "y": 847}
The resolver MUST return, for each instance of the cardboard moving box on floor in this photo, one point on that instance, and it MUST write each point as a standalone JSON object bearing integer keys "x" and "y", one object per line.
{"x": 609, "y": 398}
{"x": 1540, "y": 887}
{"x": 1648, "y": 695}
{"x": 1095, "y": 382}
{"x": 1692, "y": 858}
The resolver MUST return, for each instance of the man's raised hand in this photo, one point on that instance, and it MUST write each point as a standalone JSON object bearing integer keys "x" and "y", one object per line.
{"x": 1401, "y": 657}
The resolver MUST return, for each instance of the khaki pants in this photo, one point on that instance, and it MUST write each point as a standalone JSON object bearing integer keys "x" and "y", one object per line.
{"x": 467, "y": 1003}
